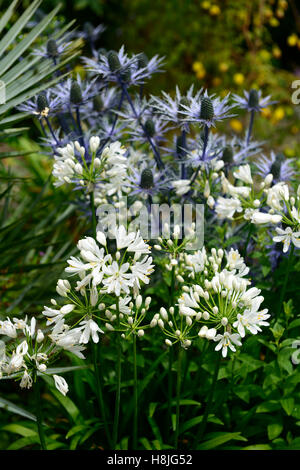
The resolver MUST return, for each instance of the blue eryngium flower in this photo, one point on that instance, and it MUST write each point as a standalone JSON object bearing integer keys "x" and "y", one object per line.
{"x": 53, "y": 49}
{"x": 252, "y": 100}
{"x": 42, "y": 105}
{"x": 147, "y": 180}
{"x": 172, "y": 109}
{"x": 280, "y": 167}
{"x": 207, "y": 110}
{"x": 64, "y": 91}
{"x": 118, "y": 66}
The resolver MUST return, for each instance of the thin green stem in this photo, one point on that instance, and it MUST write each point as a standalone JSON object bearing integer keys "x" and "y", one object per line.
{"x": 250, "y": 230}
{"x": 170, "y": 389}
{"x": 178, "y": 388}
{"x": 287, "y": 272}
{"x": 99, "y": 382}
{"x": 118, "y": 377}
{"x": 94, "y": 222}
{"x": 170, "y": 377}
{"x": 135, "y": 396}
{"x": 38, "y": 408}
{"x": 202, "y": 427}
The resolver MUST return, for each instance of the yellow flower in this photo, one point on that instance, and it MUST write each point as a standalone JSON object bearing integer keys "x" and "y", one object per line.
{"x": 276, "y": 52}
{"x": 201, "y": 74}
{"x": 205, "y": 5}
{"x": 292, "y": 40}
{"x": 268, "y": 13}
{"x": 283, "y": 4}
{"x": 278, "y": 114}
{"x": 264, "y": 55}
{"x": 289, "y": 152}
{"x": 274, "y": 22}
{"x": 280, "y": 13}
{"x": 223, "y": 67}
{"x": 236, "y": 125}
{"x": 238, "y": 78}
{"x": 214, "y": 10}
{"x": 197, "y": 66}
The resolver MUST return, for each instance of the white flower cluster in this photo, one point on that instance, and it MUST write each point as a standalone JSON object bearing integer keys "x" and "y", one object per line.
{"x": 285, "y": 209}
{"x": 241, "y": 197}
{"x": 30, "y": 353}
{"x": 81, "y": 166}
{"x": 219, "y": 300}
{"x": 105, "y": 282}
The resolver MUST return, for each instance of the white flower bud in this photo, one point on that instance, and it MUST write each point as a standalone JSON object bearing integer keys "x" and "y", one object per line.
{"x": 101, "y": 238}
{"x": 164, "y": 313}
{"x": 94, "y": 143}
{"x": 39, "y": 336}
{"x": 67, "y": 309}
{"x": 138, "y": 301}
{"x": 205, "y": 315}
{"x": 211, "y": 333}
{"x": 202, "y": 332}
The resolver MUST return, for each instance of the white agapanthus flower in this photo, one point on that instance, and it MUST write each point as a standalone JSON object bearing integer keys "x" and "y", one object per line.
{"x": 28, "y": 354}
{"x": 220, "y": 300}
{"x": 227, "y": 207}
{"x": 287, "y": 236}
{"x": 102, "y": 277}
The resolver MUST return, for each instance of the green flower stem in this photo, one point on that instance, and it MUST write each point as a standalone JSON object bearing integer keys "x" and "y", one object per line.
{"x": 118, "y": 376}
{"x": 170, "y": 389}
{"x": 99, "y": 382}
{"x": 287, "y": 272}
{"x": 38, "y": 408}
{"x": 252, "y": 115}
{"x": 178, "y": 388}
{"x": 250, "y": 230}
{"x": 94, "y": 222}
{"x": 202, "y": 427}
{"x": 170, "y": 378}
{"x": 135, "y": 396}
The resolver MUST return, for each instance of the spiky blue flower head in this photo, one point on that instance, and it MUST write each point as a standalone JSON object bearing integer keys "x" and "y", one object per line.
{"x": 253, "y": 100}
{"x": 118, "y": 67}
{"x": 142, "y": 110}
{"x": 153, "y": 127}
{"x": 42, "y": 105}
{"x": 76, "y": 92}
{"x": 146, "y": 180}
{"x": 277, "y": 164}
{"x": 53, "y": 49}
{"x": 207, "y": 110}
{"x": 172, "y": 109}
{"x": 103, "y": 103}
{"x": 240, "y": 148}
